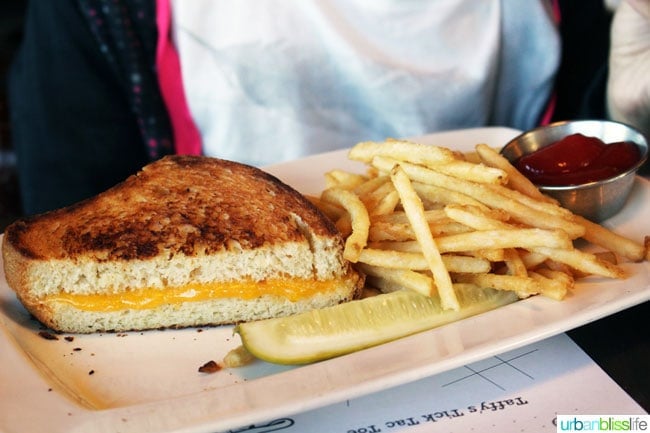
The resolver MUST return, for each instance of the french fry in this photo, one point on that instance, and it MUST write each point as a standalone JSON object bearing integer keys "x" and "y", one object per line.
{"x": 472, "y": 156}
{"x": 599, "y": 235}
{"x": 466, "y": 264}
{"x": 428, "y": 219}
{"x": 486, "y": 195}
{"x": 404, "y": 232}
{"x": 403, "y": 150}
{"x": 473, "y": 172}
{"x": 404, "y": 278}
{"x": 384, "y": 195}
{"x": 533, "y": 203}
{"x": 332, "y": 211}
{"x": 399, "y": 217}
{"x": 444, "y": 196}
{"x": 393, "y": 259}
{"x": 415, "y": 213}
{"x": 398, "y": 232}
{"x": 607, "y": 256}
{"x": 370, "y": 185}
{"x": 532, "y": 259}
{"x": 441, "y": 158}
{"x": 563, "y": 283}
{"x": 343, "y": 179}
{"x": 561, "y": 267}
{"x": 491, "y": 255}
{"x": 439, "y": 222}
{"x": 387, "y": 204}
{"x": 405, "y": 246}
{"x": 415, "y": 260}
{"x": 344, "y": 224}
{"x": 512, "y": 283}
{"x": 478, "y": 219}
{"x": 452, "y": 167}
{"x": 554, "y": 288}
{"x": 528, "y": 238}
{"x": 582, "y": 261}
{"x": 360, "y": 221}
{"x": 514, "y": 264}
{"x": 516, "y": 180}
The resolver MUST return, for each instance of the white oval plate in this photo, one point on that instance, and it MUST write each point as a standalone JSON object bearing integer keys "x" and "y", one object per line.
{"x": 149, "y": 381}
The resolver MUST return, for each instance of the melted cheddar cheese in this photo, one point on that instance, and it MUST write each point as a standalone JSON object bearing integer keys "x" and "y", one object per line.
{"x": 292, "y": 289}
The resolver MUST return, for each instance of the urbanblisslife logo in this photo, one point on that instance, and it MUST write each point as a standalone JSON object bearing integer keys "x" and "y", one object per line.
{"x": 603, "y": 423}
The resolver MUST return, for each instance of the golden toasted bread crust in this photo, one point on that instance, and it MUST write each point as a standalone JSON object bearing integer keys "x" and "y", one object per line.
{"x": 210, "y": 205}
{"x": 181, "y": 220}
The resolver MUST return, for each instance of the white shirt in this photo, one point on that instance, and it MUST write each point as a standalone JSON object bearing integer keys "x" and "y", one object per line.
{"x": 273, "y": 80}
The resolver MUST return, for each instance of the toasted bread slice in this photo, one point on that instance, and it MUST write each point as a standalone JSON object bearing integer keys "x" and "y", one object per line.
{"x": 188, "y": 241}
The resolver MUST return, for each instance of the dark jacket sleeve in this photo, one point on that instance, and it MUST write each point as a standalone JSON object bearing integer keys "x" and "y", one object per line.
{"x": 582, "y": 76}
{"x": 85, "y": 109}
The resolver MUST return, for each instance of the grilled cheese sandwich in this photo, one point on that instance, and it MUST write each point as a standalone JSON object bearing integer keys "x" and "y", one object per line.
{"x": 187, "y": 241}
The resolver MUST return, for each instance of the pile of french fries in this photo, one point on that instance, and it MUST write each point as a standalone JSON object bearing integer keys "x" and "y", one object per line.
{"x": 428, "y": 219}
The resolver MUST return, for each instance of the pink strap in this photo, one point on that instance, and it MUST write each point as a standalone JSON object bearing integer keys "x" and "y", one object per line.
{"x": 550, "y": 107}
{"x": 187, "y": 139}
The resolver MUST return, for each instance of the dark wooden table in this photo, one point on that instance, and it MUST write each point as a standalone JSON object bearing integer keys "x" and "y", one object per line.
{"x": 620, "y": 345}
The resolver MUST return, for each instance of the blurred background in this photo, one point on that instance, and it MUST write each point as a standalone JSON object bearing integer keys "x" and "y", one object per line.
{"x": 11, "y": 19}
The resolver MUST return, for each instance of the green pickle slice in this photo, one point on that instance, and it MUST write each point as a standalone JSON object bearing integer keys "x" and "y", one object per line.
{"x": 333, "y": 331}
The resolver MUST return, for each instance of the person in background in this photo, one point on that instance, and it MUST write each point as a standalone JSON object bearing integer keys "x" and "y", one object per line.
{"x": 102, "y": 87}
{"x": 628, "y": 87}
{"x": 291, "y": 79}
{"x": 85, "y": 108}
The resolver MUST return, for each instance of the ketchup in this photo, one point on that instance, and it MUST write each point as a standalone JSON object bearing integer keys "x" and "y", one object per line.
{"x": 578, "y": 159}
